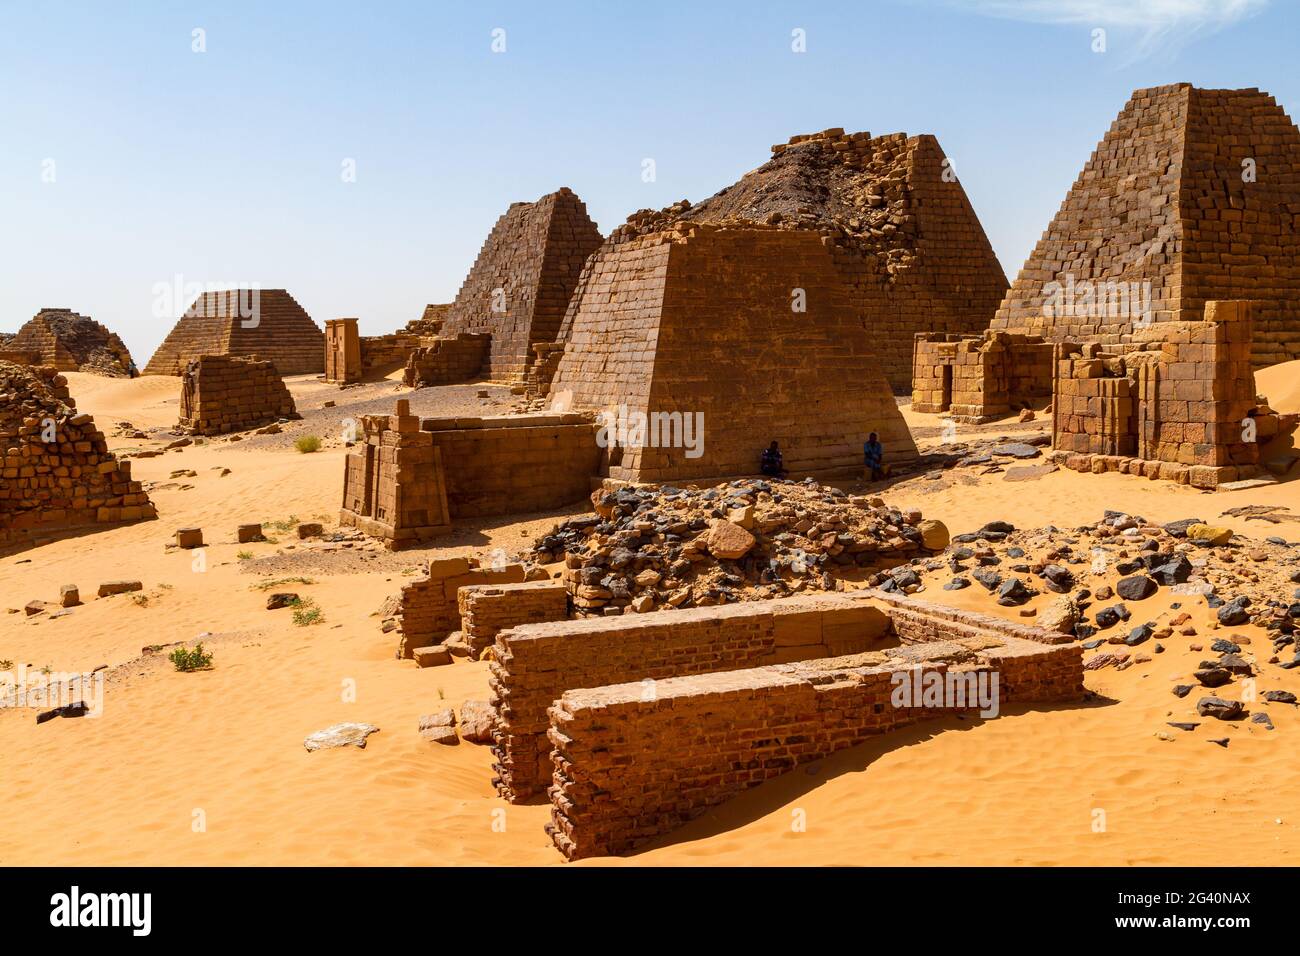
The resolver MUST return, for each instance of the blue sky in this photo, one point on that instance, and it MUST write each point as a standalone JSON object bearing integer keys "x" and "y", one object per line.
{"x": 226, "y": 165}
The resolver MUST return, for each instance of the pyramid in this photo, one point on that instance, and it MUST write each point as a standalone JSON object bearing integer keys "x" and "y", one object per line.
{"x": 697, "y": 321}
{"x": 523, "y": 278}
{"x": 262, "y": 323}
{"x": 62, "y": 339}
{"x": 899, "y": 225}
{"x": 1168, "y": 199}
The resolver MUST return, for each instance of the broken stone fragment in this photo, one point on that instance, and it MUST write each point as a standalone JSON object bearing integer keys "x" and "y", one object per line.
{"x": 1219, "y": 708}
{"x": 440, "y": 727}
{"x": 340, "y": 735}
{"x": 281, "y": 599}
{"x": 1208, "y": 535}
{"x": 477, "y": 718}
{"x": 109, "y": 588}
{"x": 729, "y": 541}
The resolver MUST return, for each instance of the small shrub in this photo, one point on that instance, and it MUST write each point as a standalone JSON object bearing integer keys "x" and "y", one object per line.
{"x": 244, "y": 555}
{"x": 190, "y": 660}
{"x": 6, "y": 665}
{"x": 305, "y": 612}
{"x": 277, "y": 582}
{"x": 307, "y": 444}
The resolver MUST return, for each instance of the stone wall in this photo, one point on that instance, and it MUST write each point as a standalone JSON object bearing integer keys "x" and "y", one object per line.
{"x": 741, "y": 335}
{"x": 222, "y": 394}
{"x": 351, "y": 357}
{"x": 634, "y": 761}
{"x": 1193, "y": 191}
{"x": 428, "y": 610}
{"x": 487, "y": 609}
{"x": 447, "y": 360}
{"x": 1173, "y": 403}
{"x": 267, "y": 323}
{"x": 515, "y": 464}
{"x": 521, "y": 282}
{"x": 979, "y": 379}
{"x": 66, "y": 483}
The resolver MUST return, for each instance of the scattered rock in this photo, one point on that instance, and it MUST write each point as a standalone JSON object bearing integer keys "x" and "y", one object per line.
{"x": 1136, "y": 588}
{"x": 1219, "y": 708}
{"x": 340, "y": 735}
{"x": 1207, "y": 535}
{"x": 477, "y": 718}
{"x": 440, "y": 728}
{"x": 281, "y": 599}
{"x": 109, "y": 588}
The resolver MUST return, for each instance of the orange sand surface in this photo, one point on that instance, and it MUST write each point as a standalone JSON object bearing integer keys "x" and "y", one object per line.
{"x": 209, "y": 767}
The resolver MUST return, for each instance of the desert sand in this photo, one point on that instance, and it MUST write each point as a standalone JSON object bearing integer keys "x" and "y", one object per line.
{"x": 208, "y": 768}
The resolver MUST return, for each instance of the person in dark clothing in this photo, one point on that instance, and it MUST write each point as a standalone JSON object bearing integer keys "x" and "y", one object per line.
{"x": 772, "y": 464}
{"x": 873, "y": 456}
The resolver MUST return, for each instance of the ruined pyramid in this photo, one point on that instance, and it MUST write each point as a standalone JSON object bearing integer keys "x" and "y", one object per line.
{"x": 1192, "y": 195}
{"x": 897, "y": 221}
{"x": 62, "y": 339}
{"x": 266, "y": 323}
{"x": 720, "y": 339}
{"x": 521, "y": 282}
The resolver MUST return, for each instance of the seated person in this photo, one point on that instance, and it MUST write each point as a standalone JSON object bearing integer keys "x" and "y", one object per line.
{"x": 772, "y": 463}
{"x": 873, "y": 456}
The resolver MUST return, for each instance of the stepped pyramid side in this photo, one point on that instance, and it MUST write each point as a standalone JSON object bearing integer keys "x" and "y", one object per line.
{"x": 696, "y": 324}
{"x": 69, "y": 342}
{"x": 522, "y": 281}
{"x": 266, "y": 323}
{"x": 1241, "y": 237}
{"x": 1166, "y": 198}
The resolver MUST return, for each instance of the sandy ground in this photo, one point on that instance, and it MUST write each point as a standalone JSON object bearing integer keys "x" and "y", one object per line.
{"x": 209, "y": 767}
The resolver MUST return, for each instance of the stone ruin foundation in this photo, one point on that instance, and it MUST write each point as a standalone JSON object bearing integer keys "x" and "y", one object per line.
{"x": 447, "y": 360}
{"x": 351, "y": 357}
{"x": 407, "y": 478}
{"x": 68, "y": 483}
{"x": 428, "y": 612}
{"x": 1172, "y": 403}
{"x": 222, "y": 394}
{"x": 262, "y": 323}
{"x": 702, "y": 344}
{"x": 979, "y": 379}
{"x": 594, "y": 712}
{"x": 68, "y": 342}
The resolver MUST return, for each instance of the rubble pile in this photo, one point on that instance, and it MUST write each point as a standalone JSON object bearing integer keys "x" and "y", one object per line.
{"x": 659, "y": 546}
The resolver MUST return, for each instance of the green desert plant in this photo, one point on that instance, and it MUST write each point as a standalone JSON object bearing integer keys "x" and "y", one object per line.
{"x": 305, "y": 612}
{"x": 190, "y": 660}
{"x": 244, "y": 555}
{"x": 307, "y": 444}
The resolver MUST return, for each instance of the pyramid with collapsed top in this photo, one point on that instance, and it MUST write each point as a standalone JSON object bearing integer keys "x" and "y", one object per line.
{"x": 261, "y": 323}
{"x": 62, "y": 339}
{"x": 1193, "y": 195}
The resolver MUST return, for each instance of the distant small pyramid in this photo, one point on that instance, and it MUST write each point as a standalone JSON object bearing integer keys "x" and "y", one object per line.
{"x": 73, "y": 343}
{"x": 1194, "y": 191}
{"x": 523, "y": 278}
{"x": 267, "y": 323}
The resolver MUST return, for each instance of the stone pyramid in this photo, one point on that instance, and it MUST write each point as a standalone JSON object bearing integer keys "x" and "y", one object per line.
{"x": 1194, "y": 191}
{"x": 897, "y": 221}
{"x": 266, "y": 323}
{"x": 698, "y": 321}
{"x": 523, "y": 278}
{"x": 62, "y": 339}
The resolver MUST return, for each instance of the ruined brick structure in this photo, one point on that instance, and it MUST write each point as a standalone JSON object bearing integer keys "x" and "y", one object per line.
{"x": 447, "y": 360}
{"x": 224, "y": 393}
{"x": 351, "y": 357}
{"x": 56, "y": 475}
{"x": 406, "y": 479}
{"x": 488, "y": 609}
{"x": 745, "y": 335}
{"x": 1193, "y": 191}
{"x": 523, "y": 278}
{"x": 1171, "y": 403}
{"x": 979, "y": 379}
{"x": 64, "y": 340}
{"x": 266, "y": 323}
{"x": 427, "y": 610}
{"x": 636, "y": 760}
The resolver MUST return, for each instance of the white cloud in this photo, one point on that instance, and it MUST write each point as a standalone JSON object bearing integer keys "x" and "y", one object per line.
{"x": 1156, "y": 23}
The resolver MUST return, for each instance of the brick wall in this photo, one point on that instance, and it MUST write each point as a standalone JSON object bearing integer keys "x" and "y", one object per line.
{"x": 222, "y": 394}
{"x": 429, "y": 610}
{"x": 447, "y": 360}
{"x": 487, "y": 609}
{"x": 1176, "y": 395}
{"x": 979, "y": 379}
{"x": 68, "y": 483}
{"x": 634, "y": 761}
